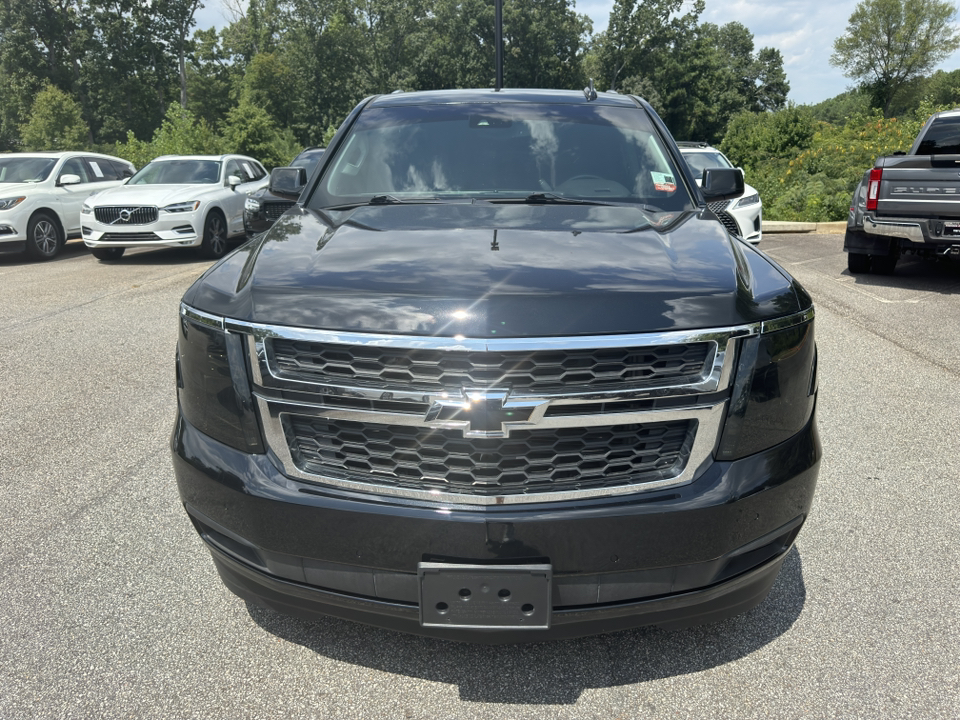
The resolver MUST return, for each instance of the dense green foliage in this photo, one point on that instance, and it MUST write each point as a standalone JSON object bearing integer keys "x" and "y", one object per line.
{"x": 807, "y": 169}
{"x": 136, "y": 77}
{"x": 890, "y": 42}
{"x": 285, "y": 73}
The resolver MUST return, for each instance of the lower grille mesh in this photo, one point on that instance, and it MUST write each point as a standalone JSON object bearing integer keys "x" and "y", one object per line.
{"x": 529, "y": 461}
{"x": 273, "y": 210}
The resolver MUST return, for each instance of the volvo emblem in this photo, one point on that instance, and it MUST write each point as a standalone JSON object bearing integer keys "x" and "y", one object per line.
{"x": 125, "y": 215}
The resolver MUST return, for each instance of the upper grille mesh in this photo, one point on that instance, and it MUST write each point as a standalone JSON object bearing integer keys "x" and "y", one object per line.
{"x": 540, "y": 370}
{"x": 138, "y": 215}
{"x": 529, "y": 461}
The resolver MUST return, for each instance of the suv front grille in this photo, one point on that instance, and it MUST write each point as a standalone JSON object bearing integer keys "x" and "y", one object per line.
{"x": 134, "y": 215}
{"x": 489, "y": 421}
{"x": 275, "y": 208}
{"x": 527, "y": 462}
{"x": 536, "y": 371}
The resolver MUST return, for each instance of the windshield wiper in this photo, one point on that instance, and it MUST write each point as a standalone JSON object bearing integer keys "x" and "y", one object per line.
{"x": 551, "y": 198}
{"x": 385, "y": 200}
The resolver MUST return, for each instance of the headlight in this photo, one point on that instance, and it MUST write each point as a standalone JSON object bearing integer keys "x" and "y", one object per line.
{"x": 11, "y": 202}
{"x": 748, "y": 200}
{"x": 182, "y": 207}
{"x": 252, "y": 204}
{"x": 86, "y": 209}
{"x": 774, "y": 391}
{"x": 212, "y": 383}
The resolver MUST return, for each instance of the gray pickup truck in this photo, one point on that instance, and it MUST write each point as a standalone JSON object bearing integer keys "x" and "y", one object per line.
{"x": 909, "y": 202}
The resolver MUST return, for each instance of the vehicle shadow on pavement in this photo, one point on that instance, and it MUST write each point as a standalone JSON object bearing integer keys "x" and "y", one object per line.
{"x": 915, "y": 274}
{"x": 166, "y": 256}
{"x": 72, "y": 249}
{"x": 553, "y": 672}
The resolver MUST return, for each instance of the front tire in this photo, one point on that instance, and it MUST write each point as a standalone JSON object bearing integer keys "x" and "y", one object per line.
{"x": 214, "y": 243}
{"x": 44, "y": 239}
{"x": 107, "y": 253}
{"x": 858, "y": 263}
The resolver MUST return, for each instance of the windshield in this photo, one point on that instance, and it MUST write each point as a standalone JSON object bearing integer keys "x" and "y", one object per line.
{"x": 178, "y": 172}
{"x": 700, "y": 161}
{"x": 25, "y": 169}
{"x": 308, "y": 160}
{"x": 942, "y": 138}
{"x": 496, "y": 151}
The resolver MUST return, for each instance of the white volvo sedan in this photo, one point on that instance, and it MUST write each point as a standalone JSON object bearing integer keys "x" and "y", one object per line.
{"x": 174, "y": 201}
{"x": 41, "y": 195}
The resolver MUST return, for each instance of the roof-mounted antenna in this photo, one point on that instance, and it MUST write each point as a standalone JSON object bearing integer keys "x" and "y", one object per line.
{"x": 498, "y": 32}
{"x": 589, "y": 93}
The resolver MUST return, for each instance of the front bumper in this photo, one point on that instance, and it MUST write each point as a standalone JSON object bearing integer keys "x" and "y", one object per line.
{"x": 173, "y": 230}
{"x": 13, "y": 227}
{"x": 677, "y": 557}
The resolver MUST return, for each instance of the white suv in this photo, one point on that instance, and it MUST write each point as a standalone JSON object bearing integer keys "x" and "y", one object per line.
{"x": 174, "y": 201}
{"x": 41, "y": 195}
{"x": 742, "y": 217}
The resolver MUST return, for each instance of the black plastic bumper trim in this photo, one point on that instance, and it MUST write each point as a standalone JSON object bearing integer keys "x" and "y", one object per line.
{"x": 712, "y": 604}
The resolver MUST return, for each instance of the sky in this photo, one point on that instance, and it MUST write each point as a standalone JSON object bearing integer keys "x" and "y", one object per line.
{"x": 802, "y": 30}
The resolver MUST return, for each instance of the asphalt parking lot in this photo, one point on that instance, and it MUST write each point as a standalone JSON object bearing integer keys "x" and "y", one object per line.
{"x": 111, "y": 608}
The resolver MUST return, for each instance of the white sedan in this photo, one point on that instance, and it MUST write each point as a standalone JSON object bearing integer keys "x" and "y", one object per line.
{"x": 742, "y": 217}
{"x": 174, "y": 201}
{"x": 41, "y": 195}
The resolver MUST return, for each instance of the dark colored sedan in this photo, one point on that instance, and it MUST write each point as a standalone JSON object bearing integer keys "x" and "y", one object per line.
{"x": 263, "y": 207}
{"x": 500, "y": 375}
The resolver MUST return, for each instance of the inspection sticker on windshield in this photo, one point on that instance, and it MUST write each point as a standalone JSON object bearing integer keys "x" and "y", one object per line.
{"x": 663, "y": 182}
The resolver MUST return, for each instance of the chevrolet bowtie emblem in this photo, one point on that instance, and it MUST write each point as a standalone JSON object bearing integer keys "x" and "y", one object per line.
{"x": 479, "y": 413}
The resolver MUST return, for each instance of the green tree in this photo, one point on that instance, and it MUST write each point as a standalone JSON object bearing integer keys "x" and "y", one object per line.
{"x": 56, "y": 123}
{"x": 250, "y": 130}
{"x": 889, "y": 42}
{"x": 180, "y": 133}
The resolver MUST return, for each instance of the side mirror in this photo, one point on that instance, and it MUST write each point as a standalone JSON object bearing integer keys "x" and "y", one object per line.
{"x": 721, "y": 184}
{"x": 69, "y": 179}
{"x": 233, "y": 181}
{"x": 288, "y": 180}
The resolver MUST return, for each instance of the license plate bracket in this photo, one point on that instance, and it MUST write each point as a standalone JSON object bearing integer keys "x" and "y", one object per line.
{"x": 485, "y": 597}
{"x": 951, "y": 229}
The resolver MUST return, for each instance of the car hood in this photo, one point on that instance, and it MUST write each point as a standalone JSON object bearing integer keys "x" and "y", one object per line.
{"x": 496, "y": 271}
{"x": 159, "y": 195}
{"x": 18, "y": 189}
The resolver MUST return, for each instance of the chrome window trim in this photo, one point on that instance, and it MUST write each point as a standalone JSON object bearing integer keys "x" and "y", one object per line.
{"x": 709, "y": 418}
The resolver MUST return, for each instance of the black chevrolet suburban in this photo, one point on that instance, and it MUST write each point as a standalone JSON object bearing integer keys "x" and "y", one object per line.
{"x": 499, "y": 376}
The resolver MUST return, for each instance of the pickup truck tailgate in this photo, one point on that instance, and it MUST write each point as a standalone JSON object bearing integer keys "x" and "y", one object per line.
{"x": 920, "y": 186}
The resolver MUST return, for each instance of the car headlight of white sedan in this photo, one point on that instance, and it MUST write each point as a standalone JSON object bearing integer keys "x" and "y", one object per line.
{"x": 11, "y": 202}
{"x": 182, "y": 207}
{"x": 748, "y": 200}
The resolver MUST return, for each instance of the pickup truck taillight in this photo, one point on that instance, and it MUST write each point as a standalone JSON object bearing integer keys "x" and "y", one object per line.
{"x": 212, "y": 382}
{"x": 873, "y": 188}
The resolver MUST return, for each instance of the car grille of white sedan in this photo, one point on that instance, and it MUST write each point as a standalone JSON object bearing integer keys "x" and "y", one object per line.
{"x": 125, "y": 215}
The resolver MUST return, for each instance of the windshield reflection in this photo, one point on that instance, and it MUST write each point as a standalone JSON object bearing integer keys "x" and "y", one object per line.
{"x": 496, "y": 151}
